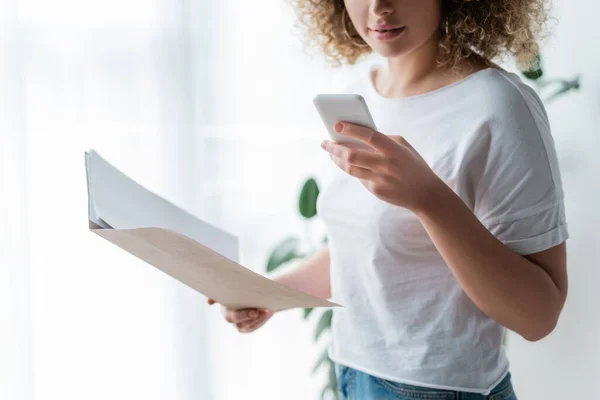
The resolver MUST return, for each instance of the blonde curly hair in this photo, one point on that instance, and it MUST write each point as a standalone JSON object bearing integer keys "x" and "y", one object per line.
{"x": 486, "y": 29}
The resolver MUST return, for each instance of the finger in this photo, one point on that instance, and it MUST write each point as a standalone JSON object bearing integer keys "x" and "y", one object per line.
{"x": 257, "y": 324}
{"x": 252, "y": 325}
{"x": 371, "y": 137}
{"x": 247, "y": 325}
{"x": 237, "y": 316}
{"x": 265, "y": 315}
{"x": 401, "y": 140}
{"x": 360, "y": 158}
{"x": 353, "y": 170}
{"x": 244, "y": 327}
{"x": 210, "y": 301}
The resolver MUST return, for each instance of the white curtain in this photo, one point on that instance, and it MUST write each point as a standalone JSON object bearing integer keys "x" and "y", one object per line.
{"x": 15, "y": 301}
{"x": 258, "y": 144}
{"x": 206, "y": 103}
{"x": 78, "y": 317}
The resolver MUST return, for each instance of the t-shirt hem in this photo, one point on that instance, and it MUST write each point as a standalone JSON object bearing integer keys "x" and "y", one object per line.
{"x": 521, "y": 214}
{"x": 541, "y": 242}
{"x": 484, "y": 392}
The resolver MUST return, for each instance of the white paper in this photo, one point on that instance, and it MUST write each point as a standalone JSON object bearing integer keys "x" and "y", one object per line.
{"x": 188, "y": 249}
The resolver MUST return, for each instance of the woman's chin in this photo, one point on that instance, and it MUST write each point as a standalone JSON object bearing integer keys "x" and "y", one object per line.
{"x": 388, "y": 51}
{"x": 389, "y": 48}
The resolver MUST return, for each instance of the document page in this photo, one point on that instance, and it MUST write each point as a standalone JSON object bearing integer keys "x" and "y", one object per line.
{"x": 181, "y": 245}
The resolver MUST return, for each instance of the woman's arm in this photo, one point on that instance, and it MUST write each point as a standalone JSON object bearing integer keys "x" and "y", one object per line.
{"x": 311, "y": 276}
{"x": 524, "y": 293}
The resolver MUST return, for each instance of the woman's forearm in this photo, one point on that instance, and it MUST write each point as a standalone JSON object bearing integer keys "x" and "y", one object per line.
{"x": 507, "y": 287}
{"x": 311, "y": 276}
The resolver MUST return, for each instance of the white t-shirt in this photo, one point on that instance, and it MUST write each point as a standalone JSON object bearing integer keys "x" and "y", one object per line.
{"x": 405, "y": 316}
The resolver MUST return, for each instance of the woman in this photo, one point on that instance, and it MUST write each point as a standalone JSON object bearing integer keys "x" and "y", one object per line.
{"x": 452, "y": 226}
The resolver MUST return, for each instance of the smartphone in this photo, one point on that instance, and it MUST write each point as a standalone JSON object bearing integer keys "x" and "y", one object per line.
{"x": 343, "y": 107}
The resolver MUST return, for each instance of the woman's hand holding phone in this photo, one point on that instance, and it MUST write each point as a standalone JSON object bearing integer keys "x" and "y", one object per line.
{"x": 388, "y": 166}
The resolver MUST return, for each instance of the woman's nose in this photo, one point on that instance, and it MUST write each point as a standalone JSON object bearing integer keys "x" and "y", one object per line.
{"x": 381, "y": 7}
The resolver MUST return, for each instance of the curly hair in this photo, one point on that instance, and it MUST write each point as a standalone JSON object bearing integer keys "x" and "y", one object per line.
{"x": 486, "y": 29}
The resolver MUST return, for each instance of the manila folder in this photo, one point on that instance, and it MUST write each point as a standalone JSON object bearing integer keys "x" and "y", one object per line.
{"x": 181, "y": 245}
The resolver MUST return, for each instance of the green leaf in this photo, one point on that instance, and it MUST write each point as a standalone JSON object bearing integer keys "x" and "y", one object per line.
{"x": 533, "y": 74}
{"x": 332, "y": 377}
{"x": 566, "y": 87}
{"x": 322, "y": 358}
{"x": 332, "y": 384}
{"x": 329, "y": 388}
{"x": 324, "y": 392}
{"x": 284, "y": 252}
{"x": 535, "y": 71}
{"x": 307, "y": 203}
{"x": 307, "y": 312}
{"x": 324, "y": 323}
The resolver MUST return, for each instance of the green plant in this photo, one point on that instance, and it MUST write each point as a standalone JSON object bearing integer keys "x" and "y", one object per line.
{"x": 289, "y": 248}
{"x": 555, "y": 86}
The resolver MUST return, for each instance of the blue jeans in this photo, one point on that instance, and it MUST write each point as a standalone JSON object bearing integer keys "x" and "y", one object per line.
{"x": 356, "y": 385}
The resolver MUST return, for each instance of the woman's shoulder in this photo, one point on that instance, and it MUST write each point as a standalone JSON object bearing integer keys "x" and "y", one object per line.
{"x": 505, "y": 94}
{"x": 515, "y": 115}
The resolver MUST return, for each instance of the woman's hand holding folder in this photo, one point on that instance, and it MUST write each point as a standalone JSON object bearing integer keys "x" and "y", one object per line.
{"x": 246, "y": 320}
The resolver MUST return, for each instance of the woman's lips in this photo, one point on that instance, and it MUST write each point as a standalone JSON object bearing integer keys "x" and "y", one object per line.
{"x": 386, "y": 34}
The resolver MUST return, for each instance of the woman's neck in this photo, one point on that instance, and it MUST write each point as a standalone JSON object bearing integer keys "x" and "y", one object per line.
{"x": 417, "y": 72}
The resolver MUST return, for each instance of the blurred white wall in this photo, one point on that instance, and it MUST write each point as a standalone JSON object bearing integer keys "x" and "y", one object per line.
{"x": 566, "y": 365}
{"x": 113, "y": 76}
{"x": 257, "y": 142}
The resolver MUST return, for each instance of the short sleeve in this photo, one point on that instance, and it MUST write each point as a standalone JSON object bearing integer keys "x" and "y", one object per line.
{"x": 518, "y": 194}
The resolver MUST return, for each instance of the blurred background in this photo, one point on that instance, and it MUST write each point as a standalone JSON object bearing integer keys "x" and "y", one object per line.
{"x": 208, "y": 103}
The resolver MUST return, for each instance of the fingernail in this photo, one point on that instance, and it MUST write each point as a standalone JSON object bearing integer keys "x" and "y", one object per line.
{"x": 324, "y": 144}
{"x": 339, "y": 127}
